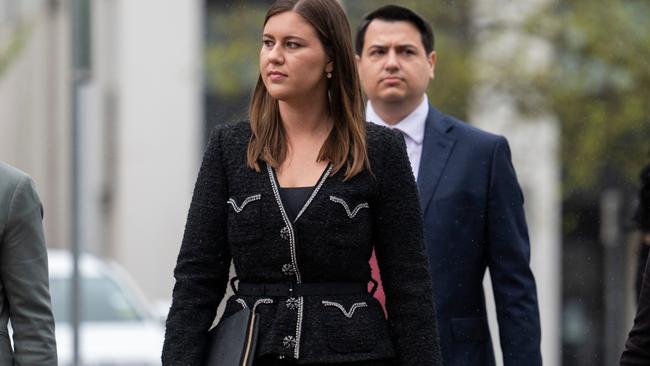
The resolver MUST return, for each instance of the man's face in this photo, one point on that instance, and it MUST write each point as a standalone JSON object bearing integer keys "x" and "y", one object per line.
{"x": 393, "y": 66}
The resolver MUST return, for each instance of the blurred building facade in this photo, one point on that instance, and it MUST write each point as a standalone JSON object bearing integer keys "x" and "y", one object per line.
{"x": 34, "y": 97}
{"x": 144, "y": 117}
{"x": 140, "y": 123}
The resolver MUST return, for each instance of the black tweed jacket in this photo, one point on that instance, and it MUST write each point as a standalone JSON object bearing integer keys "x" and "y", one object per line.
{"x": 236, "y": 213}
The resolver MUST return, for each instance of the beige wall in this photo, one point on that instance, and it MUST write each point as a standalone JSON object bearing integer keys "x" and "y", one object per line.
{"x": 156, "y": 83}
{"x": 140, "y": 112}
{"x": 34, "y": 117}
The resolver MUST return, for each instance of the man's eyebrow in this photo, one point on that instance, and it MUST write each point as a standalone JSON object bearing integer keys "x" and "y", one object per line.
{"x": 401, "y": 45}
{"x": 406, "y": 46}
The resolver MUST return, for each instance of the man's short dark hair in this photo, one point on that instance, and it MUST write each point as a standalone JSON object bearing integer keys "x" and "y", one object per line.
{"x": 395, "y": 13}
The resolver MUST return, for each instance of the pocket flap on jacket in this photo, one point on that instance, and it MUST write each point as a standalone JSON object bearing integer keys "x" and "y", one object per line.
{"x": 470, "y": 329}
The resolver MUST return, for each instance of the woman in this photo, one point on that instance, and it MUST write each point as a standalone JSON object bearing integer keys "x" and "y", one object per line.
{"x": 297, "y": 197}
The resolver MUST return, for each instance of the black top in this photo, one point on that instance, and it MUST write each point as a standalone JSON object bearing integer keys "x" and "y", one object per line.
{"x": 293, "y": 198}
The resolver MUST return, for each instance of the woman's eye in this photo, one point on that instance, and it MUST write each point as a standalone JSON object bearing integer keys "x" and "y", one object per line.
{"x": 267, "y": 43}
{"x": 292, "y": 45}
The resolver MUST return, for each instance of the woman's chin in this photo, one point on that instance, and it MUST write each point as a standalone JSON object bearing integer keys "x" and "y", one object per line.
{"x": 282, "y": 97}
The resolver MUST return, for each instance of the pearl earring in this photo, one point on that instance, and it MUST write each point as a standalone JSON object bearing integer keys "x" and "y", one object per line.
{"x": 329, "y": 75}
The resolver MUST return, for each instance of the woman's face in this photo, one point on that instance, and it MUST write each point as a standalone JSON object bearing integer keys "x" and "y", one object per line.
{"x": 293, "y": 62}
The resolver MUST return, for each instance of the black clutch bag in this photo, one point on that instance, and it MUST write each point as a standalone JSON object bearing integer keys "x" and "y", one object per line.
{"x": 233, "y": 340}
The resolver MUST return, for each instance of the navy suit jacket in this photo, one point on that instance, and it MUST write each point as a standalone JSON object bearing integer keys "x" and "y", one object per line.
{"x": 474, "y": 219}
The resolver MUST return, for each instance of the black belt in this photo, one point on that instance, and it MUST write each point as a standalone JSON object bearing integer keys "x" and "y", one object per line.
{"x": 303, "y": 289}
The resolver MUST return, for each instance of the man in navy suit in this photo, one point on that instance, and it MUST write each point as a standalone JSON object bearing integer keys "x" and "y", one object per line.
{"x": 470, "y": 197}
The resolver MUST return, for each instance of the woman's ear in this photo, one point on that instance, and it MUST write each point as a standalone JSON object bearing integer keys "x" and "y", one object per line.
{"x": 329, "y": 67}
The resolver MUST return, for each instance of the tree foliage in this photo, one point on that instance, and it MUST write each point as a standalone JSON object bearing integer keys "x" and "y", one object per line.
{"x": 599, "y": 88}
{"x": 233, "y": 41}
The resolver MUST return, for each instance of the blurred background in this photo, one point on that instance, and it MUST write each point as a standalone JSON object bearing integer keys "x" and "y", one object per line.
{"x": 108, "y": 103}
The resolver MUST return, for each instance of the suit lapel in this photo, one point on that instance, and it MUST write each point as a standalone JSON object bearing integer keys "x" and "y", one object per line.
{"x": 436, "y": 149}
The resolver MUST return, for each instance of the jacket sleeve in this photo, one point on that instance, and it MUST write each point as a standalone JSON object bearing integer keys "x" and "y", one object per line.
{"x": 637, "y": 346}
{"x": 508, "y": 249}
{"x": 203, "y": 264}
{"x": 402, "y": 260}
{"x": 24, "y": 274}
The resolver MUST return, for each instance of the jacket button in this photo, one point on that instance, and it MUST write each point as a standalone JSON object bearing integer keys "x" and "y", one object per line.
{"x": 292, "y": 303}
{"x": 285, "y": 233}
{"x": 289, "y": 342}
{"x": 288, "y": 270}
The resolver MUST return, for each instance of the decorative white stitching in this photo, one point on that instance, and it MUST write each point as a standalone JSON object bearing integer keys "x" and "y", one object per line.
{"x": 242, "y": 303}
{"x": 262, "y": 301}
{"x": 248, "y": 200}
{"x": 348, "y": 314}
{"x": 315, "y": 192}
{"x": 292, "y": 238}
{"x": 294, "y": 341}
{"x": 292, "y": 245}
{"x": 301, "y": 309}
{"x": 353, "y": 213}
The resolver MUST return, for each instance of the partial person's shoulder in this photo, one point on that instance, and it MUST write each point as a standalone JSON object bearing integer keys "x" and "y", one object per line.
{"x": 476, "y": 140}
{"x": 16, "y": 185}
{"x": 379, "y": 136}
{"x": 384, "y": 146}
{"x": 11, "y": 177}
{"x": 229, "y": 135}
{"x": 466, "y": 131}
{"x": 8, "y": 172}
{"x": 232, "y": 130}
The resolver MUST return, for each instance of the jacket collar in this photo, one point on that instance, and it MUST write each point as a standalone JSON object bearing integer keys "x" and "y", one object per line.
{"x": 436, "y": 149}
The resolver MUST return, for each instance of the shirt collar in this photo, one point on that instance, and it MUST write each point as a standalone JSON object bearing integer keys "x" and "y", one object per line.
{"x": 412, "y": 125}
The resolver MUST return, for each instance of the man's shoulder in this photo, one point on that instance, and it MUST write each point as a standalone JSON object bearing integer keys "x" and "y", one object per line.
{"x": 17, "y": 189}
{"x": 10, "y": 172}
{"x": 10, "y": 178}
{"x": 462, "y": 130}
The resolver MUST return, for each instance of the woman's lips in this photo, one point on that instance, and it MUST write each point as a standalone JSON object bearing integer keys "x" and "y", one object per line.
{"x": 276, "y": 75}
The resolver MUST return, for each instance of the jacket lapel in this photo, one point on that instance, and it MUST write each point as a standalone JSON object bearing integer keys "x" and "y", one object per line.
{"x": 436, "y": 149}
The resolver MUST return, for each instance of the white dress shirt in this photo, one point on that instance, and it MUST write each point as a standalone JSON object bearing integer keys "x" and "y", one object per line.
{"x": 412, "y": 127}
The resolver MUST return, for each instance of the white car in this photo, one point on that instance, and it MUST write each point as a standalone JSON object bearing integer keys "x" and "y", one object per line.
{"x": 117, "y": 328}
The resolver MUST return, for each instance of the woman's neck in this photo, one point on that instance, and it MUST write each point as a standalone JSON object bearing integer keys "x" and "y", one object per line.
{"x": 307, "y": 127}
{"x": 305, "y": 120}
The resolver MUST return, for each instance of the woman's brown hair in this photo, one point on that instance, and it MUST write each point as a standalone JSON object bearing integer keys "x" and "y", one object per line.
{"x": 346, "y": 143}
